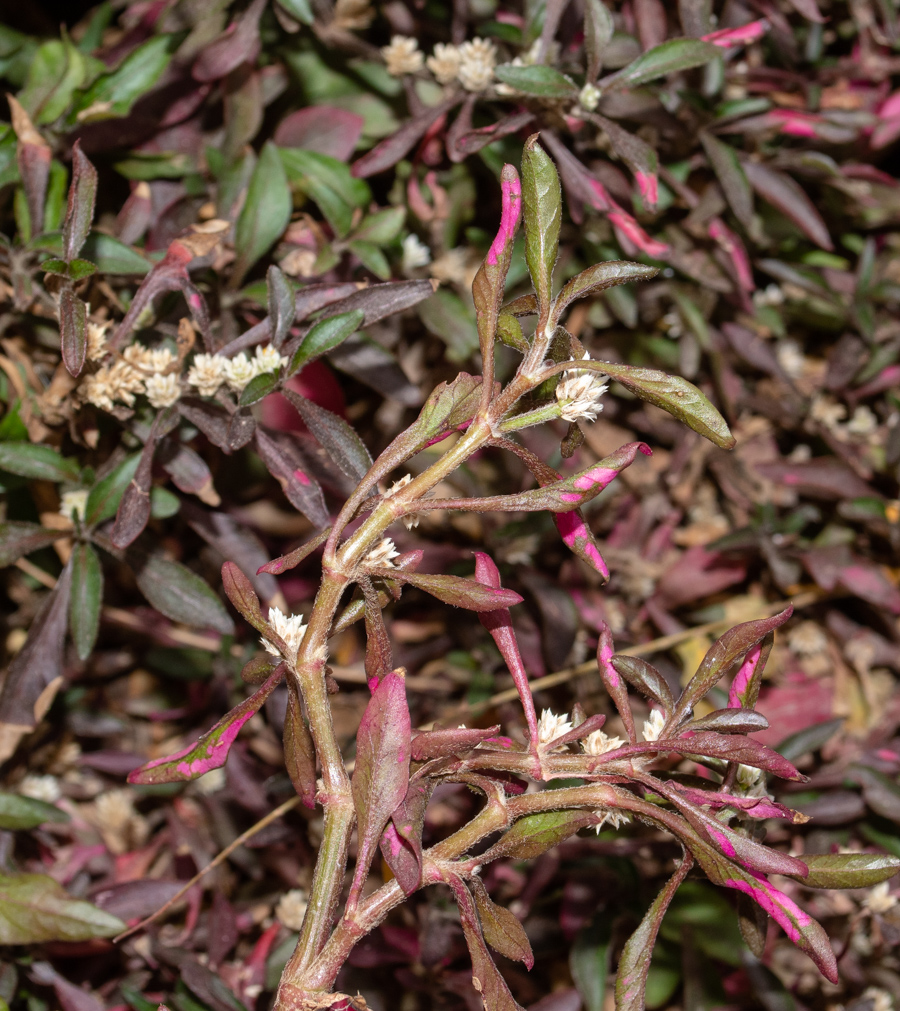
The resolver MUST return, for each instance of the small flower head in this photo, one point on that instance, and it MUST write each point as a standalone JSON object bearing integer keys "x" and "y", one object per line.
{"x": 96, "y": 340}
{"x": 382, "y": 555}
{"x": 402, "y": 56}
{"x": 45, "y": 788}
{"x": 291, "y": 629}
{"x": 444, "y": 64}
{"x": 807, "y": 639}
{"x": 578, "y": 394}
{"x": 239, "y": 371}
{"x": 148, "y": 360}
{"x": 863, "y": 422}
{"x": 401, "y": 482}
{"x": 612, "y": 817}
{"x": 415, "y": 254}
{"x": 207, "y": 373}
{"x": 267, "y": 359}
{"x": 748, "y": 777}
{"x": 477, "y": 59}
{"x": 291, "y": 908}
{"x": 162, "y": 390}
{"x": 826, "y": 411}
{"x": 73, "y": 503}
{"x": 878, "y": 901}
{"x": 599, "y": 743}
{"x": 589, "y": 97}
{"x": 550, "y": 727}
{"x": 653, "y": 726}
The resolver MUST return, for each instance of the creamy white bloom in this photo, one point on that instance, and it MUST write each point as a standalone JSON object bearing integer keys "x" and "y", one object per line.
{"x": 477, "y": 59}
{"x": 879, "y": 899}
{"x": 589, "y": 97}
{"x": 401, "y": 482}
{"x": 152, "y": 360}
{"x": 444, "y": 64}
{"x": 45, "y": 788}
{"x": 291, "y": 629}
{"x": 551, "y": 726}
{"x": 162, "y": 390}
{"x": 599, "y": 743}
{"x": 578, "y": 394}
{"x": 807, "y": 639}
{"x": 239, "y": 371}
{"x": 402, "y": 56}
{"x": 863, "y": 422}
{"x": 119, "y": 381}
{"x": 291, "y": 908}
{"x": 73, "y": 503}
{"x": 353, "y": 14}
{"x": 791, "y": 358}
{"x": 210, "y": 782}
{"x": 771, "y": 295}
{"x": 748, "y": 777}
{"x": 827, "y": 411}
{"x": 96, "y": 340}
{"x": 654, "y": 725}
{"x": 415, "y": 253}
{"x": 382, "y": 555}
{"x": 881, "y": 1000}
{"x": 267, "y": 359}
{"x": 611, "y": 817}
{"x": 207, "y": 373}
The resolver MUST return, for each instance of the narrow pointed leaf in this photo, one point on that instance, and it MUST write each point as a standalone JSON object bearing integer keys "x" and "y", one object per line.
{"x": 788, "y": 196}
{"x": 538, "y": 80}
{"x": 670, "y": 57}
{"x": 266, "y": 211}
{"x": 258, "y": 388}
{"x": 334, "y": 435}
{"x": 39, "y": 463}
{"x": 744, "y": 691}
{"x": 299, "y": 751}
{"x": 282, "y": 305}
{"x": 731, "y": 175}
{"x": 34, "y": 909}
{"x": 600, "y": 277}
{"x": 18, "y": 538}
{"x": 72, "y": 330}
{"x": 501, "y": 928}
{"x": 612, "y": 681}
{"x": 542, "y": 203}
{"x": 178, "y": 593}
{"x": 80, "y": 211}
{"x": 647, "y": 679}
{"x": 105, "y": 496}
{"x": 442, "y": 743}
{"x": 86, "y": 598}
{"x": 731, "y": 721}
{"x": 295, "y": 557}
{"x": 457, "y": 591}
{"x": 283, "y": 462}
{"x": 381, "y": 776}
{"x": 18, "y": 812}
{"x": 211, "y": 751}
{"x": 848, "y": 870}
{"x": 325, "y": 335}
{"x": 401, "y": 841}
{"x": 598, "y": 30}
{"x": 536, "y": 833}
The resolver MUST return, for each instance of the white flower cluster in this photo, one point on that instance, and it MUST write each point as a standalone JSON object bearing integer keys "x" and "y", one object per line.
{"x": 653, "y": 727}
{"x": 408, "y": 521}
{"x": 807, "y": 639}
{"x": 550, "y": 727}
{"x": 472, "y": 63}
{"x": 415, "y": 254}
{"x": 382, "y": 555}
{"x": 578, "y": 394}
{"x": 611, "y": 817}
{"x": 599, "y": 743}
{"x": 291, "y": 908}
{"x": 291, "y": 629}
{"x": 73, "y": 503}
{"x": 589, "y": 97}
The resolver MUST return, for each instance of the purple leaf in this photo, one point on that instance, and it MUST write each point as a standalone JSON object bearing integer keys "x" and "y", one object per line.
{"x": 33, "y": 157}
{"x": 825, "y": 478}
{"x": 500, "y": 927}
{"x": 18, "y": 538}
{"x": 70, "y": 996}
{"x": 731, "y": 721}
{"x": 788, "y": 197}
{"x": 486, "y": 978}
{"x": 442, "y": 743}
{"x": 725, "y": 38}
{"x": 401, "y": 841}
{"x": 238, "y": 44}
{"x": 299, "y": 751}
{"x": 72, "y": 330}
{"x": 499, "y": 623}
{"x": 334, "y": 435}
{"x": 379, "y": 655}
{"x": 321, "y": 128}
{"x": 211, "y": 751}
{"x": 744, "y": 691}
{"x": 638, "y": 155}
{"x": 284, "y": 463}
{"x": 455, "y": 590}
{"x": 727, "y": 166}
{"x": 536, "y": 833}
{"x": 613, "y": 683}
{"x": 722, "y": 656}
{"x": 399, "y": 144}
{"x": 381, "y": 777}
{"x": 80, "y": 211}
{"x": 750, "y": 807}
{"x": 647, "y": 679}
{"x": 600, "y": 277}
{"x": 471, "y": 141}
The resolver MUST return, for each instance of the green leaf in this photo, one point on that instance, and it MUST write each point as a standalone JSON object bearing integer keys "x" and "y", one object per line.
{"x": 163, "y": 503}
{"x": 671, "y": 56}
{"x": 132, "y": 79}
{"x": 326, "y": 334}
{"x": 17, "y": 812}
{"x": 371, "y": 257}
{"x": 848, "y": 870}
{"x": 810, "y": 739}
{"x": 55, "y": 266}
{"x": 104, "y": 498}
{"x": 542, "y": 205}
{"x": 501, "y": 928}
{"x": 266, "y": 211}
{"x": 448, "y": 317}
{"x": 281, "y": 303}
{"x": 536, "y": 833}
{"x": 148, "y": 166}
{"x": 180, "y": 594}
{"x": 598, "y": 278}
{"x": 56, "y": 70}
{"x": 455, "y": 590}
{"x": 727, "y": 166}
{"x": 329, "y": 182}
{"x": 80, "y": 269}
{"x": 259, "y": 386}
{"x": 381, "y": 227}
{"x": 589, "y": 961}
{"x": 86, "y": 599}
{"x": 299, "y": 9}
{"x": 34, "y": 908}
{"x": 109, "y": 254}
{"x": 598, "y": 30}
{"x": 544, "y": 82}
{"x": 18, "y": 538}
{"x": 40, "y": 463}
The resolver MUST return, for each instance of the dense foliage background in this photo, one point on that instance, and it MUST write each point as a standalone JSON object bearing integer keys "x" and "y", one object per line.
{"x": 756, "y": 169}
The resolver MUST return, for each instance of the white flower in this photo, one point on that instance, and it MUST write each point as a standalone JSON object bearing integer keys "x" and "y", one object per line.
{"x": 45, "y": 788}
{"x": 402, "y": 56}
{"x": 879, "y": 899}
{"x": 148, "y": 360}
{"x": 478, "y": 57}
{"x": 807, "y": 639}
{"x": 96, "y": 340}
{"x": 827, "y": 411}
{"x": 863, "y": 422}
{"x": 611, "y": 817}
{"x": 162, "y": 390}
{"x": 598, "y": 743}
{"x": 291, "y": 629}
{"x": 654, "y": 725}
{"x": 748, "y": 777}
{"x": 578, "y": 394}
{"x": 109, "y": 383}
{"x": 881, "y": 999}
{"x": 589, "y": 97}
{"x": 210, "y": 782}
{"x": 551, "y": 726}
{"x": 291, "y": 908}
{"x": 382, "y": 555}
{"x": 207, "y": 373}
{"x": 267, "y": 359}
{"x": 239, "y": 371}
{"x": 771, "y": 295}
{"x": 74, "y": 503}
{"x": 791, "y": 358}
{"x": 401, "y": 482}
{"x": 415, "y": 253}
{"x": 445, "y": 63}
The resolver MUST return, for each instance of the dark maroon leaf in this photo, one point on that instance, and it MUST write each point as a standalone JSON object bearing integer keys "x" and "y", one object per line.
{"x": 882, "y": 794}
{"x": 731, "y": 721}
{"x": 788, "y": 197}
{"x": 648, "y": 681}
{"x": 285, "y": 464}
{"x": 399, "y": 144}
{"x": 238, "y": 44}
{"x": 295, "y": 557}
{"x": 72, "y": 330}
{"x": 80, "y": 212}
{"x": 299, "y": 752}
{"x": 455, "y": 590}
{"x": 401, "y": 842}
{"x": 18, "y": 538}
{"x": 613, "y": 683}
{"x": 500, "y": 927}
{"x": 323, "y": 128}
{"x": 442, "y": 743}
{"x": 335, "y": 436}
{"x": 825, "y": 477}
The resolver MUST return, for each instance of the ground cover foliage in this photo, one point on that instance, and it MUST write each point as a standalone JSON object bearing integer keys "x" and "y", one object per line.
{"x": 238, "y": 250}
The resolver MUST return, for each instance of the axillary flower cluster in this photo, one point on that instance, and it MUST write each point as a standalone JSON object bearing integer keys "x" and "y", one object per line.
{"x": 158, "y": 373}
{"x": 472, "y": 63}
